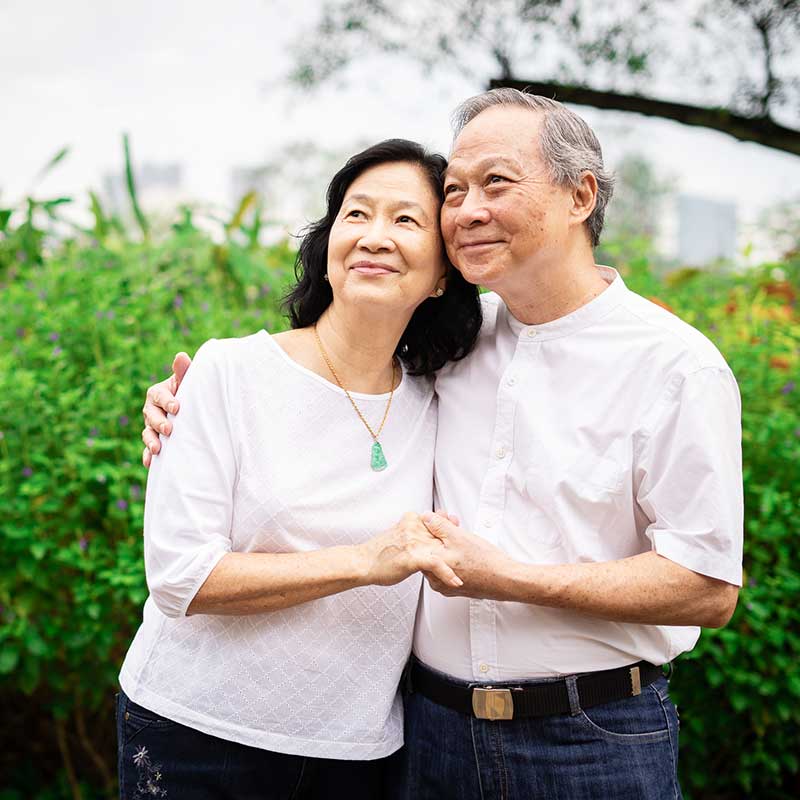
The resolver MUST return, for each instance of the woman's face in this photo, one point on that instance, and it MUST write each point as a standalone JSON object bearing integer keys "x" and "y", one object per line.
{"x": 385, "y": 247}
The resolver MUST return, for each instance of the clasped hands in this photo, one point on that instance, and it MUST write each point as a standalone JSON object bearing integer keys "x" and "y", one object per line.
{"x": 454, "y": 561}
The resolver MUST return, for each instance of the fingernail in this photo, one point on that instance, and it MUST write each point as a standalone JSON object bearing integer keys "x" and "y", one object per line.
{"x": 163, "y": 427}
{"x": 172, "y": 408}
{"x": 152, "y": 447}
{"x": 458, "y": 582}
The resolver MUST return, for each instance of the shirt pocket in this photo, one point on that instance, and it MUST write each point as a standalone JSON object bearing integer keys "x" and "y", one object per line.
{"x": 569, "y": 503}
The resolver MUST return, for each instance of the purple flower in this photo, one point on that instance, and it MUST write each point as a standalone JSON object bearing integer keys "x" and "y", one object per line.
{"x": 98, "y": 314}
{"x": 136, "y": 491}
{"x": 265, "y": 290}
{"x": 110, "y": 315}
{"x": 123, "y": 421}
{"x": 27, "y": 471}
{"x": 122, "y": 504}
{"x": 43, "y": 295}
{"x": 178, "y": 301}
{"x": 57, "y": 351}
{"x": 21, "y": 333}
{"x": 205, "y": 307}
{"x": 185, "y": 331}
{"x": 752, "y": 582}
{"x": 53, "y": 337}
{"x": 788, "y": 388}
{"x": 94, "y": 432}
{"x": 236, "y": 323}
{"x": 90, "y": 442}
{"x": 797, "y": 432}
{"x": 83, "y": 543}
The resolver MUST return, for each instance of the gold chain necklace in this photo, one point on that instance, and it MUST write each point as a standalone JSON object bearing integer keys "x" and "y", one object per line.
{"x": 377, "y": 459}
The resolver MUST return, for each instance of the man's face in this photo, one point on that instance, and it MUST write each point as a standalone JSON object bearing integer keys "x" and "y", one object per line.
{"x": 502, "y": 215}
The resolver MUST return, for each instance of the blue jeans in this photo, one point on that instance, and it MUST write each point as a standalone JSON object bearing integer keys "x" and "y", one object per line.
{"x": 623, "y": 750}
{"x": 159, "y": 758}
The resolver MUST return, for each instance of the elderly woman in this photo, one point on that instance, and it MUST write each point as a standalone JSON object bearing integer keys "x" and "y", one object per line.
{"x": 282, "y": 586}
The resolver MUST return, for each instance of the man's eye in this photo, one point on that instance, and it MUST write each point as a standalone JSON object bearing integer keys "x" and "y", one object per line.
{"x": 495, "y": 178}
{"x": 450, "y": 188}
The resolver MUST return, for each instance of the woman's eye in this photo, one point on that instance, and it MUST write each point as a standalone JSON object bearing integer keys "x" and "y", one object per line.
{"x": 353, "y": 213}
{"x": 406, "y": 218}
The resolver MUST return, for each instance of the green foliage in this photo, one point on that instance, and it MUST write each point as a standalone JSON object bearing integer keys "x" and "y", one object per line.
{"x": 85, "y": 323}
{"x": 85, "y": 329}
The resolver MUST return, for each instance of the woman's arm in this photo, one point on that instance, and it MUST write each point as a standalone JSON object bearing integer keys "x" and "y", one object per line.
{"x": 252, "y": 583}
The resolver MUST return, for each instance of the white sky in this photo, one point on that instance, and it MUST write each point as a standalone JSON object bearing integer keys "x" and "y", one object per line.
{"x": 201, "y": 83}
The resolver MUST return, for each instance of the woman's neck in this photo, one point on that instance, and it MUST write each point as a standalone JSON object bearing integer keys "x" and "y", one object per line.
{"x": 360, "y": 348}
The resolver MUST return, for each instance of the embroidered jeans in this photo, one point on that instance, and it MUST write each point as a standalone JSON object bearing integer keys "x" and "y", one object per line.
{"x": 159, "y": 758}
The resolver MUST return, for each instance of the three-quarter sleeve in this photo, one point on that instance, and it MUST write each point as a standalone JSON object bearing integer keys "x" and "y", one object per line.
{"x": 189, "y": 499}
{"x": 689, "y": 475}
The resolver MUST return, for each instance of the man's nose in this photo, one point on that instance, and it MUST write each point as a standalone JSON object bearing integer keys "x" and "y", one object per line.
{"x": 473, "y": 210}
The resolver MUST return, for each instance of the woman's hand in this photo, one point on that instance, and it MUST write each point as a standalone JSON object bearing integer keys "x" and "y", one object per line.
{"x": 404, "y": 549}
{"x": 159, "y": 401}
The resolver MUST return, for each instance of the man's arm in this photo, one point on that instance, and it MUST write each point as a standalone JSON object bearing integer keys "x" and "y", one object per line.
{"x": 161, "y": 399}
{"x": 646, "y": 588}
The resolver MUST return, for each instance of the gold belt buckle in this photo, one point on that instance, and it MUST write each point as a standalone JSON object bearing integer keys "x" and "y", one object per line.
{"x": 490, "y": 703}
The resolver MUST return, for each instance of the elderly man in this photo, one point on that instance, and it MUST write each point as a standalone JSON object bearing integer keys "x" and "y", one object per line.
{"x": 591, "y": 446}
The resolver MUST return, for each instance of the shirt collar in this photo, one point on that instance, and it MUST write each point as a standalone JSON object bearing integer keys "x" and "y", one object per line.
{"x": 581, "y": 318}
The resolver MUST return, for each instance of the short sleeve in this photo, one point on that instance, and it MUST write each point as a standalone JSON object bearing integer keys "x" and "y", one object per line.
{"x": 689, "y": 475}
{"x": 189, "y": 499}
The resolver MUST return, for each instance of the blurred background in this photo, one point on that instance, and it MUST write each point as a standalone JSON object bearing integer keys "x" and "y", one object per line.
{"x": 157, "y": 159}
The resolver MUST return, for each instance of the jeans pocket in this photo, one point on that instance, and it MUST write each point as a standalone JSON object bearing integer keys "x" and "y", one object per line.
{"x": 634, "y": 719}
{"x": 132, "y": 719}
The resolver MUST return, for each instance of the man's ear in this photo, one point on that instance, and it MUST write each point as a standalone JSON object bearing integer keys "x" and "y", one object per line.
{"x": 584, "y": 198}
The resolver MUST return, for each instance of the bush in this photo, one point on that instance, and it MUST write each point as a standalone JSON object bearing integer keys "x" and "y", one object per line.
{"x": 83, "y": 327}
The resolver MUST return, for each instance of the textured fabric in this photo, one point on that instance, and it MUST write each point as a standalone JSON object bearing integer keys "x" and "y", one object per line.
{"x": 159, "y": 758}
{"x": 266, "y": 456}
{"x": 612, "y": 431}
{"x": 625, "y": 750}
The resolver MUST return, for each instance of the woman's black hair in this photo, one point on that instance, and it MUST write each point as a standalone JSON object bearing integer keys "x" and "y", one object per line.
{"x": 441, "y": 329}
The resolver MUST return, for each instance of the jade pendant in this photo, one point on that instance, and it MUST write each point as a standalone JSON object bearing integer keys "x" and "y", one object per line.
{"x": 378, "y": 460}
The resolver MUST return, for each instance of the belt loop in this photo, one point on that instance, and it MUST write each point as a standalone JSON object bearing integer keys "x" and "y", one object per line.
{"x": 572, "y": 693}
{"x": 670, "y": 670}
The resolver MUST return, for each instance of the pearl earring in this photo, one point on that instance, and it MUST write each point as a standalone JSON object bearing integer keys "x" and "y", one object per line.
{"x": 439, "y": 292}
{"x": 325, "y": 276}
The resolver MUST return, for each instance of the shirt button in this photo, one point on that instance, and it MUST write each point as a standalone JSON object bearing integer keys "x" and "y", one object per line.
{"x": 501, "y": 452}
{"x": 530, "y": 333}
{"x": 484, "y": 667}
{"x": 511, "y": 381}
{"x": 487, "y": 523}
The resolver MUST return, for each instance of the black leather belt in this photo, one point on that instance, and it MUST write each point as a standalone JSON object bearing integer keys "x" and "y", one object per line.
{"x": 531, "y": 699}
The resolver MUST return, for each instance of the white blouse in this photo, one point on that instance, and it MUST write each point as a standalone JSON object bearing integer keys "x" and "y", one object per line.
{"x": 613, "y": 431}
{"x": 266, "y": 456}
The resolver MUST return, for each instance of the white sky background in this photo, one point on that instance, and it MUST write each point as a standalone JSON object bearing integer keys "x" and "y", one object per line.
{"x": 201, "y": 83}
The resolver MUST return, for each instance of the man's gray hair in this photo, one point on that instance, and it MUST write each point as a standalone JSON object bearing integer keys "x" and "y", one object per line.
{"x": 568, "y": 145}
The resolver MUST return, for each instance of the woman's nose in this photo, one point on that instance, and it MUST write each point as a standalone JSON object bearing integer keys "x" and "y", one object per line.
{"x": 376, "y": 238}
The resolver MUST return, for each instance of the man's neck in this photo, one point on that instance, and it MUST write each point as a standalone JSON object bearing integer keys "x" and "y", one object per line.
{"x": 552, "y": 290}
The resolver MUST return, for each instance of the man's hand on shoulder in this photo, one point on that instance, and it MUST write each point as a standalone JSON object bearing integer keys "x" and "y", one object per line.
{"x": 159, "y": 401}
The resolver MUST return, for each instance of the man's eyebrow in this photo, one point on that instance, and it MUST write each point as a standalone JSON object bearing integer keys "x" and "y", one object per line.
{"x": 489, "y": 161}
{"x": 365, "y": 198}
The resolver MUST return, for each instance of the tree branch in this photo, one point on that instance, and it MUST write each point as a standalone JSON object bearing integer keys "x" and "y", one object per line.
{"x": 762, "y": 130}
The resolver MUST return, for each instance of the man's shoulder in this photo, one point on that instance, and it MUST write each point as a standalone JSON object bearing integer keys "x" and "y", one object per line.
{"x": 668, "y": 338}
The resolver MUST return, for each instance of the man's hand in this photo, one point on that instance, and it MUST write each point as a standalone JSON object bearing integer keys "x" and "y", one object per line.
{"x": 404, "y": 549}
{"x": 482, "y": 567}
{"x": 160, "y": 400}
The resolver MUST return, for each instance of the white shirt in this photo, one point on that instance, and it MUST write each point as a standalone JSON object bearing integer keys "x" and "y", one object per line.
{"x": 612, "y": 431}
{"x": 266, "y": 456}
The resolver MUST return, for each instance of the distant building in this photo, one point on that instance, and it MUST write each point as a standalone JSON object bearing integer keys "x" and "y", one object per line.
{"x": 159, "y": 188}
{"x": 706, "y": 230}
